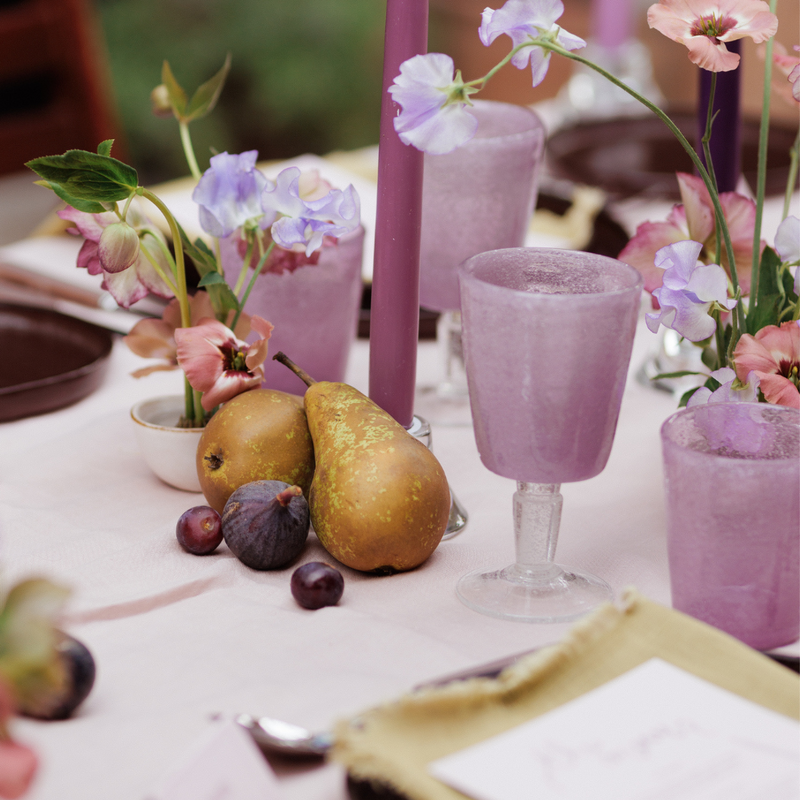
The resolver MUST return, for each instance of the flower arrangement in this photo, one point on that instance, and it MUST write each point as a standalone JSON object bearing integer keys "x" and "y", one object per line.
{"x": 278, "y": 226}
{"x": 711, "y": 277}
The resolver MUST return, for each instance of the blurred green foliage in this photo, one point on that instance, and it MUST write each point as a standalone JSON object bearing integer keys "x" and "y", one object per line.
{"x": 306, "y": 75}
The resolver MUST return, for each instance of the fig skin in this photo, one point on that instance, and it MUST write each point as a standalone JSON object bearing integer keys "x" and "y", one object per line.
{"x": 258, "y": 435}
{"x": 265, "y": 524}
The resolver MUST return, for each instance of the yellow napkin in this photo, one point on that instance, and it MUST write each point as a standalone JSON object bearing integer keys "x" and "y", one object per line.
{"x": 393, "y": 744}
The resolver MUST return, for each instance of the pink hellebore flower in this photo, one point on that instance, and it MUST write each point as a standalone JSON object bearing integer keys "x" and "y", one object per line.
{"x": 705, "y": 25}
{"x": 694, "y": 219}
{"x": 523, "y": 20}
{"x": 774, "y": 355}
{"x": 134, "y": 282}
{"x": 726, "y": 393}
{"x": 155, "y": 338}
{"x": 689, "y": 292}
{"x": 217, "y": 363}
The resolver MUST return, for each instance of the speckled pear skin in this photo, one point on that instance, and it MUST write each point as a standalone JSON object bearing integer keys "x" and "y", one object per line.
{"x": 379, "y": 499}
{"x": 260, "y": 435}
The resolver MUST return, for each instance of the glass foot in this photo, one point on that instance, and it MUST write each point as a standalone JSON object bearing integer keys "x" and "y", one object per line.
{"x": 550, "y": 593}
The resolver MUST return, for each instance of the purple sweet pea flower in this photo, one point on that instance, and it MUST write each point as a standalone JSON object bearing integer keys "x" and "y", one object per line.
{"x": 433, "y": 117}
{"x": 229, "y": 193}
{"x": 688, "y": 292}
{"x": 295, "y": 221}
{"x": 787, "y": 243}
{"x": 726, "y": 393}
{"x": 523, "y": 20}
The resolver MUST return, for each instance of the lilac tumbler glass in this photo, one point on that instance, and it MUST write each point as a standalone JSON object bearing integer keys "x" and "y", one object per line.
{"x": 732, "y": 482}
{"x": 314, "y": 310}
{"x": 547, "y": 339}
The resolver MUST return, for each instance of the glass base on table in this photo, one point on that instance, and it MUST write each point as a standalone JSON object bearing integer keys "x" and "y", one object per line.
{"x": 550, "y": 593}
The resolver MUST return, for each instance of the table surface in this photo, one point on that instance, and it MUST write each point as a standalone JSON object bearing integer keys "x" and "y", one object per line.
{"x": 178, "y": 637}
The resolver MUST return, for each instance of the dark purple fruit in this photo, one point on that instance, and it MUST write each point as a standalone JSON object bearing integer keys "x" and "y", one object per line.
{"x": 317, "y": 584}
{"x": 80, "y": 670}
{"x": 199, "y": 530}
{"x": 265, "y": 523}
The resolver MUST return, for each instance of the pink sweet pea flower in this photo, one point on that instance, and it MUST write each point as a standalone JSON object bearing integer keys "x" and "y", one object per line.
{"x": 131, "y": 284}
{"x": 705, "y": 25}
{"x": 774, "y": 355}
{"x": 789, "y": 65}
{"x": 694, "y": 219}
{"x": 219, "y": 364}
{"x": 689, "y": 292}
{"x": 523, "y": 20}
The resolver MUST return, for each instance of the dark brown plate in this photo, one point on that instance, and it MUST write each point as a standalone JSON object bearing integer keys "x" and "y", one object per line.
{"x": 47, "y": 360}
{"x": 640, "y": 156}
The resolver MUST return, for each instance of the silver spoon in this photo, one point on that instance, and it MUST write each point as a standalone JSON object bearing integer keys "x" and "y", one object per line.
{"x": 276, "y": 736}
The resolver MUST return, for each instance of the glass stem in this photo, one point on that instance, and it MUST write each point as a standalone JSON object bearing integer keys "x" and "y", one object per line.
{"x": 448, "y": 335}
{"x": 537, "y": 516}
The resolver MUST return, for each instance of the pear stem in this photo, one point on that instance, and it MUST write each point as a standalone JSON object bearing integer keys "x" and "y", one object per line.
{"x": 301, "y": 373}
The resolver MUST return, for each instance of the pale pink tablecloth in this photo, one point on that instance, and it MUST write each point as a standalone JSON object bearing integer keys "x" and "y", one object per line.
{"x": 178, "y": 637}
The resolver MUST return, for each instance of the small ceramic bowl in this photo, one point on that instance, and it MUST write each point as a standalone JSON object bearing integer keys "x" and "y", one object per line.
{"x": 168, "y": 451}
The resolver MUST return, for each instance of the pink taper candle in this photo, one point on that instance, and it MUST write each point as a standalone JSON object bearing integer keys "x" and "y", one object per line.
{"x": 611, "y": 22}
{"x": 394, "y": 319}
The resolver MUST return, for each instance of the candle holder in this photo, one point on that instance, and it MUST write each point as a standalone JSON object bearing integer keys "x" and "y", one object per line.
{"x": 421, "y": 429}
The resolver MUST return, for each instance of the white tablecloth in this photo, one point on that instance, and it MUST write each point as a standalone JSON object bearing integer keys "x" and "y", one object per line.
{"x": 178, "y": 637}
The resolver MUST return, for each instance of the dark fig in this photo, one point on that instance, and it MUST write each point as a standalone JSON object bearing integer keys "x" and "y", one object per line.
{"x": 80, "y": 672}
{"x": 265, "y": 523}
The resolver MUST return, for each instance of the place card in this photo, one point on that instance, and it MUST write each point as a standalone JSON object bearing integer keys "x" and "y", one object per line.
{"x": 225, "y": 764}
{"x": 654, "y": 733}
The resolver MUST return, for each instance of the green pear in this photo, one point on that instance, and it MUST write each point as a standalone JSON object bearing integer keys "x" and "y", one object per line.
{"x": 379, "y": 499}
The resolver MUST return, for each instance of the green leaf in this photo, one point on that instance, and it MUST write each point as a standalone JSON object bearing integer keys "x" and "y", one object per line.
{"x": 222, "y": 298}
{"x": 177, "y": 96}
{"x": 206, "y": 96}
{"x": 211, "y": 279}
{"x": 686, "y": 396}
{"x": 88, "y": 206}
{"x": 768, "y": 273}
{"x": 88, "y": 176}
{"x": 766, "y": 312}
{"x": 104, "y": 148}
{"x": 683, "y": 373}
{"x": 709, "y": 358}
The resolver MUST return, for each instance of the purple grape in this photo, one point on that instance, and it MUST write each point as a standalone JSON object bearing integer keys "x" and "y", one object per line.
{"x": 317, "y": 584}
{"x": 199, "y": 530}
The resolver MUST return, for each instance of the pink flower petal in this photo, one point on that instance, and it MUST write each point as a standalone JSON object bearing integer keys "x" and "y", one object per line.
{"x": 697, "y": 206}
{"x": 18, "y": 765}
{"x": 230, "y": 384}
{"x": 780, "y": 391}
{"x": 710, "y": 56}
{"x": 641, "y": 250}
{"x": 782, "y": 343}
{"x": 151, "y": 338}
{"x": 89, "y": 258}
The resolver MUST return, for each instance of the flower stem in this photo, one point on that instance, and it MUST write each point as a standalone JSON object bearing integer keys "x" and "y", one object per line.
{"x": 188, "y": 150}
{"x": 761, "y": 179}
{"x": 706, "y": 141}
{"x": 256, "y": 273}
{"x": 794, "y": 152}
{"x": 245, "y": 265}
{"x": 691, "y": 152}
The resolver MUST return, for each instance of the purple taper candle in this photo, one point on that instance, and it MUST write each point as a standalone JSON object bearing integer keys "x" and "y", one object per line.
{"x": 611, "y": 22}
{"x": 726, "y": 133}
{"x": 394, "y": 318}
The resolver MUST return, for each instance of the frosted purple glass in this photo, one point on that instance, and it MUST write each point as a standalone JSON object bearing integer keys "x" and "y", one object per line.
{"x": 314, "y": 310}
{"x": 732, "y": 483}
{"x": 479, "y": 197}
{"x": 547, "y": 340}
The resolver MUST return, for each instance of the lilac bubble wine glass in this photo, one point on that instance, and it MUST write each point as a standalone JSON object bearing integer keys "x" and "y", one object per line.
{"x": 547, "y": 339}
{"x": 479, "y": 197}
